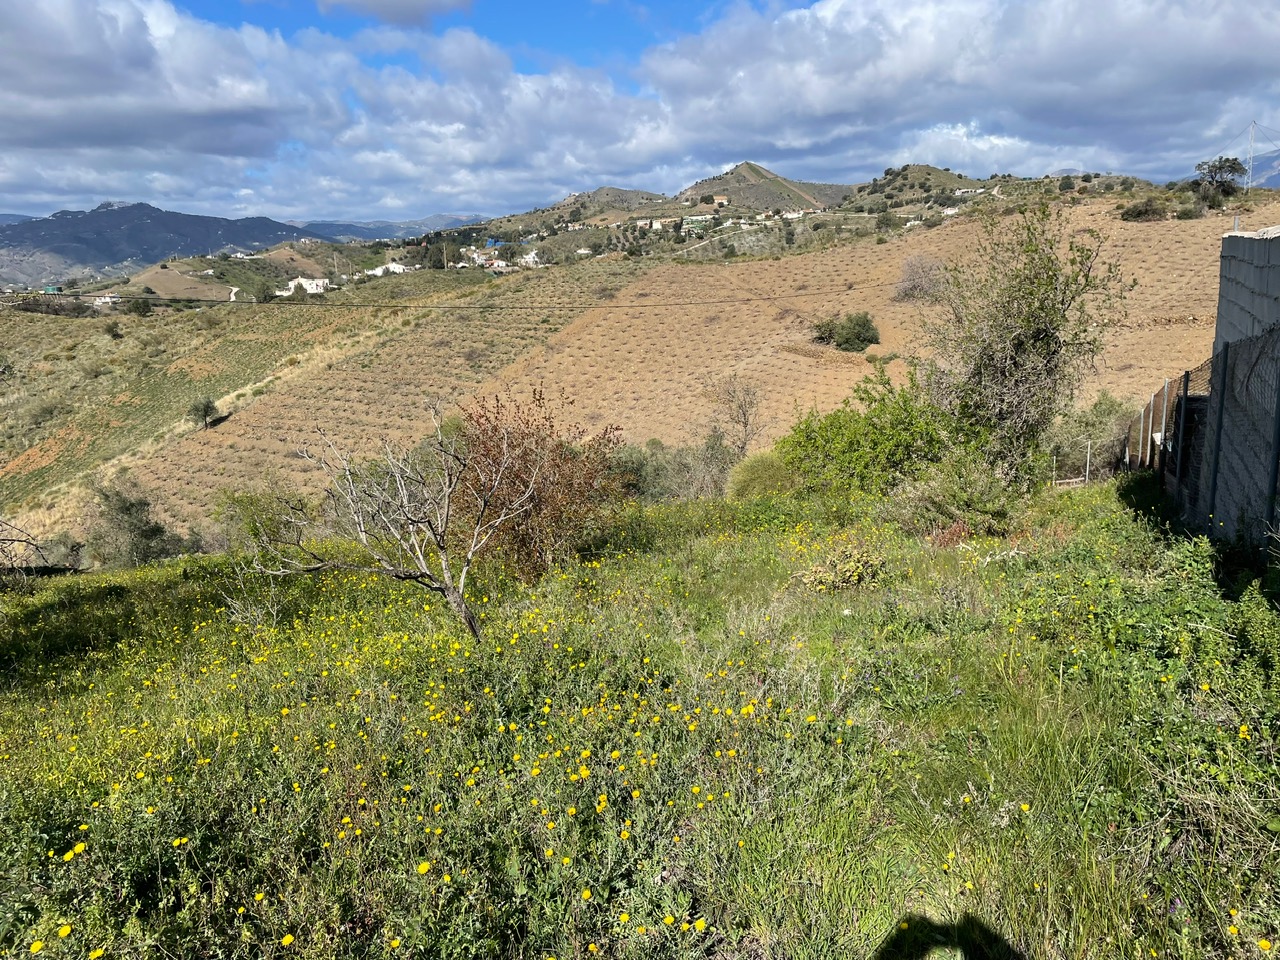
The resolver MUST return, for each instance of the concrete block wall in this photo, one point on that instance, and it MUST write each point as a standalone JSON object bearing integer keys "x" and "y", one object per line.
{"x": 1245, "y": 383}
{"x": 1248, "y": 285}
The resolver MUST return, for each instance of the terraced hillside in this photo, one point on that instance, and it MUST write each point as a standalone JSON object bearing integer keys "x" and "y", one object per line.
{"x": 643, "y": 362}
{"x": 632, "y": 342}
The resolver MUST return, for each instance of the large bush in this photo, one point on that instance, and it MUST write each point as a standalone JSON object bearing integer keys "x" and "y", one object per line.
{"x": 1147, "y": 209}
{"x": 852, "y": 333}
{"x": 759, "y": 475}
{"x": 881, "y": 436}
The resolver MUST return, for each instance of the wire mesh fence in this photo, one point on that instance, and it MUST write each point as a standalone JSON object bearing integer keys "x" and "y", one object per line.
{"x": 1213, "y": 434}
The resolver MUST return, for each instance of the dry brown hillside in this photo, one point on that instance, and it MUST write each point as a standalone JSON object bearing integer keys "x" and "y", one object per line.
{"x": 642, "y": 361}
{"x": 634, "y": 343}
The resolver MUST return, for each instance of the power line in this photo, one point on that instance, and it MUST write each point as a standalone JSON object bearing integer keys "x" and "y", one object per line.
{"x": 484, "y": 307}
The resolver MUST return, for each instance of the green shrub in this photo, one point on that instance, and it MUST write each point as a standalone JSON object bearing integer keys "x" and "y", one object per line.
{"x": 1145, "y": 210}
{"x": 964, "y": 490}
{"x": 850, "y": 565}
{"x": 894, "y": 435}
{"x": 853, "y": 333}
{"x": 760, "y": 474}
{"x": 126, "y": 532}
{"x": 1190, "y": 211}
{"x": 657, "y": 472}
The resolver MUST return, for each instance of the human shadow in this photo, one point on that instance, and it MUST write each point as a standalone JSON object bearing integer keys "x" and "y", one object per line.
{"x": 915, "y": 937}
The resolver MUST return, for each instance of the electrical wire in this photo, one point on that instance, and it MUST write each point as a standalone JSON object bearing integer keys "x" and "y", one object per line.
{"x": 483, "y": 307}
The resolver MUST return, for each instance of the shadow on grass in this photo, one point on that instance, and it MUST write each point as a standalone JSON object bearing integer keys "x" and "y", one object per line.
{"x": 1237, "y": 563}
{"x": 916, "y": 937}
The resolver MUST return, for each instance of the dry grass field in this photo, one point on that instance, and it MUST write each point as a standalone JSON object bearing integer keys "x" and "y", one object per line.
{"x": 632, "y": 343}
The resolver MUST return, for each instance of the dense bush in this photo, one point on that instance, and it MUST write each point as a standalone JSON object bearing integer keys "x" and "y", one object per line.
{"x": 126, "y": 533}
{"x": 1145, "y": 210}
{"x": 657, "y": 472}
{"x": 852, "y": 333}
{"x": 963, "y": 490}
{"x": 760, "y": 474}
{"x": 880, "y": 437}
{"x": 922, "y": 277}
{"x": 1095, "y": 433}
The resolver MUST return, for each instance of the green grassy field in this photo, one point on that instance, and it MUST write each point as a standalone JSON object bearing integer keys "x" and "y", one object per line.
{"x": 1061, "y": 743}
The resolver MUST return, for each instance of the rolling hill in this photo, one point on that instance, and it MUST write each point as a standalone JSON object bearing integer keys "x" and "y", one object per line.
{"x": 752, "y": 186}
{"x": 385, "y": 229}
{"x": 630, "y": 341}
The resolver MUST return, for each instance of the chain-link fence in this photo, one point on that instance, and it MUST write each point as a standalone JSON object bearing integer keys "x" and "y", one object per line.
{"x": 1214, "y": 436}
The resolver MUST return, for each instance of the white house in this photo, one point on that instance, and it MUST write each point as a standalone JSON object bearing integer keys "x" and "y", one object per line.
{"x": 319, "y": 285}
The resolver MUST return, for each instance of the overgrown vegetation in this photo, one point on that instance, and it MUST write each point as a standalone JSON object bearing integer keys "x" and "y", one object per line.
{"x": 893, "y": 694}
{"x": 1019, "y": 325}
{"x": 1065, "y": 739}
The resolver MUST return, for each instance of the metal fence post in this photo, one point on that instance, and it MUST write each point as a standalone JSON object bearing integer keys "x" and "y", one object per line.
{"x": 1164, "y": 425}
{"x": 1275, "y": 460}
{"x": 1150, "y": 444}
{"x": 1142, "y": 436}
{"x": 1219, "y": 388}
{"x": 1182, "y": 426}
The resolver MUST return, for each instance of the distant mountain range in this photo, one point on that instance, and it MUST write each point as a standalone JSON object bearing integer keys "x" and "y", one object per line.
{"x": 117, "y": 237}
{"x": 385, "y": 229}
{"x": 1266, "y": 170}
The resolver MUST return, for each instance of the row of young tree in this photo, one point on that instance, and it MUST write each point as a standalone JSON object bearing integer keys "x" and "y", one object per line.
{"x": 1011, "y": 332}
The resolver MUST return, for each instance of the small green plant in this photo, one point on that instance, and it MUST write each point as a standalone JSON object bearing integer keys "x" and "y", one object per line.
{"x": 852, "y": 333}
{"x": 850, "y": 565}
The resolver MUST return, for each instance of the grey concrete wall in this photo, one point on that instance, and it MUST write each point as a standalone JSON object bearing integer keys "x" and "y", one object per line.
{"x": 1248, "y": 286}
{"x": 1246, "y": 383}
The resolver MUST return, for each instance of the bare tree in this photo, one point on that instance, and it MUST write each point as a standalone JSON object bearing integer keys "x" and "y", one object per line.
{"x": 1019, "y": 326}
{"x": 737, "y": 410}
{"x": 922, "y": 279}
{"x": 424, "y": 514}
{"x": 18, "y": 550}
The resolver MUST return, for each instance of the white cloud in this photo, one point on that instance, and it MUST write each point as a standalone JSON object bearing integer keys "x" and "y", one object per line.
{"x": 135, "y": 99}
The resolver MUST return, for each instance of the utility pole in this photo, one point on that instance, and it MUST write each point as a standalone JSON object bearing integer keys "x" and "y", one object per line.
{"x": 1253, "y": 127}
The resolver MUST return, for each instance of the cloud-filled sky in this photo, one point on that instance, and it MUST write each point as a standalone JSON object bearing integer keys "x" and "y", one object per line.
{"x": 395, "y": 109}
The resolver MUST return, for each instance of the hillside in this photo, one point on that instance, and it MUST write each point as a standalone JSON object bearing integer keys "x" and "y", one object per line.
{"x": 633, "y": 342}
{"x": 751, "y": 186}
{"x": 119, "y": 237}
{"x": 385, "y": 229}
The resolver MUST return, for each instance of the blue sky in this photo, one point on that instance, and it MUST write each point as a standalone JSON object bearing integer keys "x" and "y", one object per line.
{"x": 395, "y": 109}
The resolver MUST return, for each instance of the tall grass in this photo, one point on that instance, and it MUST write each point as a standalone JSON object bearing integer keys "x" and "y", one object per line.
{"x": 674, "y": 748}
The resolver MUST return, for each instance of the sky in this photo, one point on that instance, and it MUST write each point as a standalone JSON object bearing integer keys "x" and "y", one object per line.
{"x": 397, "y": 109}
